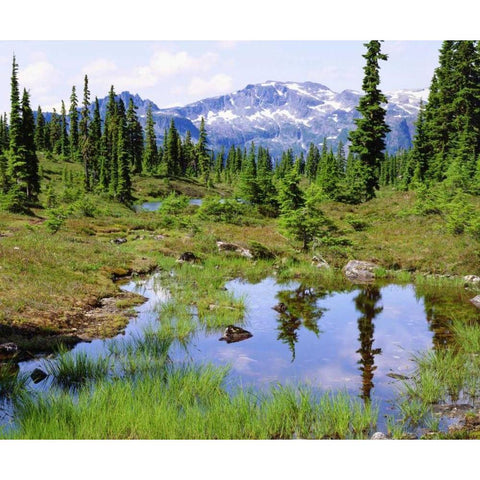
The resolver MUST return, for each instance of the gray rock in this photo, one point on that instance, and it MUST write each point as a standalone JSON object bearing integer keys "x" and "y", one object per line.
{"x": 472, "y": 279}
{"x": 232, "y": 247}
{"x": 9, "y": 348}
{"x": 234, "y": 334}
{"x": 360, "y": 271}
{"x": 38, "y": 375}
{"x": 379, "y": 436}
{"x": 119, "y": 241}
{"x": 319, "y": 262}
{"x": 476, "y": 301}
{"x": 187, "y": 257}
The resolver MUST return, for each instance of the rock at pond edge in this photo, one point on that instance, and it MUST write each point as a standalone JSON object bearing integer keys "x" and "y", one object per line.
{"x": 360, "y": 270}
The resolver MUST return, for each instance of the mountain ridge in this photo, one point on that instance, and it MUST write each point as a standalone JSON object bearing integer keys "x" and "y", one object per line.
{"x": 281, "y": 115}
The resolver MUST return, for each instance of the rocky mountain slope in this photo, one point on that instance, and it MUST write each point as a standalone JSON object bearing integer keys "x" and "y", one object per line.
{"x": 281, "y": 115}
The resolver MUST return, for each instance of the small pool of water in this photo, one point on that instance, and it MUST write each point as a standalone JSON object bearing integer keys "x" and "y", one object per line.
{"x": 359, "y": 341}
{"x": 154, "y": 206}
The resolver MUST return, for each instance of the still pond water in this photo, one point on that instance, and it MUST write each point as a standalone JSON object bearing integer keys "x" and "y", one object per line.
{"x": 360, "y": 340}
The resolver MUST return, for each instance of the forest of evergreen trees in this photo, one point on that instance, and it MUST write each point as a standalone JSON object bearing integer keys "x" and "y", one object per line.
{"x": 114, "y": 149}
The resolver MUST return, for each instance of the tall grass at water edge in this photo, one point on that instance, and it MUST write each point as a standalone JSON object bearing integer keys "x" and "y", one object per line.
{"x": 189, "y": 402}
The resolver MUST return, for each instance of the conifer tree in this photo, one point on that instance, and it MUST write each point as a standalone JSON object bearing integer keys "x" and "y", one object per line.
{"x": 134, "y": 138}
{"x": 311, "y": 163}
{"x": 17, "y": 169}
{"x": 40, "y": 131}
{"x": 171, "y": 153}
{"x": 201, "y": 151}
{"x": 247, "y": 187}
{"x": 73, "y": 124}
{"x": 55, "y": 133}
{"x": 32, "y": 176}
{"x": 188, "y": 155}
{"x": 368, "y": 140}
{"x": 64, "y": 139}
{"x": 300, "y": 216}
{"x": 95, "y": 139}
{"x": 150, "y": 153}
{"x": 123, "y": 191}
{"x": 84, "y": 138}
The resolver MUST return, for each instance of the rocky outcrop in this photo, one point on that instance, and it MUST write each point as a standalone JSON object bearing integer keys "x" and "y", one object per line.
{"x": 232, "y": 247}
{"x": 360, "y": 271}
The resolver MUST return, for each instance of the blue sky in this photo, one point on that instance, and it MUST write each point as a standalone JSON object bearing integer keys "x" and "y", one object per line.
{"x": 178, "y": 72}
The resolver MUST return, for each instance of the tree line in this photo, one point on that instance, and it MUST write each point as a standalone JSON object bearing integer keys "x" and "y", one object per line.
{"x": 113, "y": 149}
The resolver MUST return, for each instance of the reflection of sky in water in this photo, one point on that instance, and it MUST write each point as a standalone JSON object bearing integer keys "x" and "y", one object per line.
{"x": 327, "y": 361}
{"x": 153, "y": 206}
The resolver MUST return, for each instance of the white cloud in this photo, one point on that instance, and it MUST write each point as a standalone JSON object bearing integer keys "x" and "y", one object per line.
{"x": 216, "y": 85}
{"x": 40, "y": 77}
{"x": 162, "y": 65}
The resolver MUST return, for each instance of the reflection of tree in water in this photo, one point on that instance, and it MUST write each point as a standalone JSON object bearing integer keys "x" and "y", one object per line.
{"x": 366, "y": 303}
{"x": 441, "y": 306}
{"x": 297, "y": 307}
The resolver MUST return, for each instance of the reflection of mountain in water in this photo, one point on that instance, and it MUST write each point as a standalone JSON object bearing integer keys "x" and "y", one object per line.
{"x": 296, "y": 308}
{"x": 366, "y": 303}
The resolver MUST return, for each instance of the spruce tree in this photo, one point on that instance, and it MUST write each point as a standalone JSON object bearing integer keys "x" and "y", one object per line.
{"x": 32, "y": 176}
{"x": 17, "y": 169}
{"x": 40, "y": 129}
{"x": 150, "y": 152}
{"x": 311, "y": 163}
{"x": 84, "y": 138}
{"x": 368, "y": 140}
{"x": 64, "y": 139}
{"x": 201, "y": 151}
{"x": 73, "y": 124}
{"x": 123, "y": 190}
{"x": 247, "y": 187}
{"x": 171, "y": 153}
{"x": 134, "y": 138}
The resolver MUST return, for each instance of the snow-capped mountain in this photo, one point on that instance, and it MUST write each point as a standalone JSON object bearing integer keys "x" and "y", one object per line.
{"x": 281, "y": 115}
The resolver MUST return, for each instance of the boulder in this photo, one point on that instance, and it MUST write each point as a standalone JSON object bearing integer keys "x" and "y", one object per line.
{"x": 360, "y": 271}
{"x": 38, "y": 375}
{"x": 187, "y": 257}
{"x": 232, "y": 247}
{"x": 9, "y": 348}
{"x": 234, "y": 334}
{"x": 379, "y": 436}
{"x": 472, "y": 279}
{"x": 476, "y": 301}
{"x": 319, "y": 262}
{"x": 119, "y": 241}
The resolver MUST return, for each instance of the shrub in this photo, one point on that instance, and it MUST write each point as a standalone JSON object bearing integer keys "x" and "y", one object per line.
{"x": 223, "y": 210}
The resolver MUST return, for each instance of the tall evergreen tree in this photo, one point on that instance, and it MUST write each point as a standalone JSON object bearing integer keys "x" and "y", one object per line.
{"x": 150, "y": 152}
{"x": 368, "y": 140}
{"x": 171, "y": 153}
{"x": 40, "y": 131}
{"x": 84, "y": 138}
{"x": 32, "y": 176}
{"x": 73, "y": 123}
{"x": 64, "y": 139}
{"x": 134, "y": 138}
{"x": 201, "y": 150}
{"x": 311, "y": 163}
